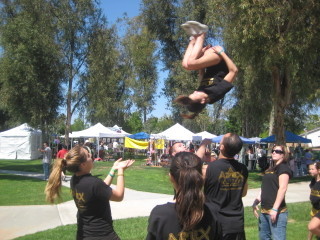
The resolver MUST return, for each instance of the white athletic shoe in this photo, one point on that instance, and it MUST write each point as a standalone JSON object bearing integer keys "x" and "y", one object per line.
{"x": 189, "y": 29}
{"x": 199, "y": 27}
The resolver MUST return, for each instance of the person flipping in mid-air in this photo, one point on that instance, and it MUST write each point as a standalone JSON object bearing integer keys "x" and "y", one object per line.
{"x": 216, "y": 70}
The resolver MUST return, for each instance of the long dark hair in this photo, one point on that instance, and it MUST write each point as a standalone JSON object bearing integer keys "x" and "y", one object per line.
{"x": 191, "y": 105}
{"x": 186, "y": 171}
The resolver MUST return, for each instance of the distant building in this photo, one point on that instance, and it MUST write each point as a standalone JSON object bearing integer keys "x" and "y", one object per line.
{"x": 314, "y": 135}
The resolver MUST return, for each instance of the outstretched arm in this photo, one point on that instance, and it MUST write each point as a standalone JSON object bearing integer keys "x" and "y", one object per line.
{"x": 233, "y": 70}
{"x": 118, "y": 192}
{"x": 202, "y": 149}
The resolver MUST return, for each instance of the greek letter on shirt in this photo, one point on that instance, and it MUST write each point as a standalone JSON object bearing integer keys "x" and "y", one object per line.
{"x": 198, "y": 234}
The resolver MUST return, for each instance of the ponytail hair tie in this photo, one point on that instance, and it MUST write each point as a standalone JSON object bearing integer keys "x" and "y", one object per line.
{"x": 64, "y": 163}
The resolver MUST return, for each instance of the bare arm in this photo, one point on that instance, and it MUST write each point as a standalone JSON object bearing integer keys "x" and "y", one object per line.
{"x": 118, "y": 192}
{"x": 202, "y": 148}
{"x": 255, "y": 204}
{"x": 283, "y": 186}
{"x": 233, "y": 70}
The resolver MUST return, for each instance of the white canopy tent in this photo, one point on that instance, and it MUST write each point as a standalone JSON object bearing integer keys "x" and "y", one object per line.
{"x": 21, "y": 142}
{"x": 203, "y": 135}
{"x": 176, "y": 132}
{"x": 118, "y": 129}
{"x": 97, "y": 131}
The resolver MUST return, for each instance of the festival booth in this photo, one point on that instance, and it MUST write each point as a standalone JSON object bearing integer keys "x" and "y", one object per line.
{"x": 203, "y": 135}
{"x": 153, "y": 146}
{"x": 97, "y": 131}
{"x": 118, "y": 129}
{"x": 289, "y": 138}
{"x": 177, "y": 133}
{"x": 21, "y": 143}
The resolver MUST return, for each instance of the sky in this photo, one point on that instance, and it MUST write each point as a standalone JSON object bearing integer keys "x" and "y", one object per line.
{"x": 114, "y": 9}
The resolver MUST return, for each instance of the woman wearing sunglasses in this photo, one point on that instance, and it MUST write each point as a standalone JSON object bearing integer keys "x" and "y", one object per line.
{"x": 273, "y": 215}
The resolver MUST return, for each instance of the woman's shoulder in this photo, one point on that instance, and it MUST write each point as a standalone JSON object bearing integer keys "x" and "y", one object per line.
{"x": 167, "y": 207}
{"x": 283, "y": 168}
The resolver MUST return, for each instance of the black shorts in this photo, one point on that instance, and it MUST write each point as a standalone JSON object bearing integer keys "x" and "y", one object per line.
{"x": 217, "y": 90}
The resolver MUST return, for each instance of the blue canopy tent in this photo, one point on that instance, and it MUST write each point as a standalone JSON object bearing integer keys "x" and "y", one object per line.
{"x": 217, "y": 139}
{"x": 139, "y": 135}
{"x": 289, "y": 137}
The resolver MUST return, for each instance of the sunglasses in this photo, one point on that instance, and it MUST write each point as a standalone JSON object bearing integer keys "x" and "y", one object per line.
{"x": 277, "y": 151}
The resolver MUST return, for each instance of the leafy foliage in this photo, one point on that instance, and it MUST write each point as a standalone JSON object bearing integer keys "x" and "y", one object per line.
{"x": 31, "y": 70}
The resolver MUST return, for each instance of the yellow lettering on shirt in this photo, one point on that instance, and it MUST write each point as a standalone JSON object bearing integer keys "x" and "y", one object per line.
{"x": 79, "y": 200}
{"x": 315, "y": 193}
{"x": 231, "y": 180}
{"x": 198, "y": 234}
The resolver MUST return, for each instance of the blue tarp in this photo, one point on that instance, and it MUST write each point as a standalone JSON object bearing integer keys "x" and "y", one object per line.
{"x": 139, "y": 135}
{"x": 290, "y": 138}
{"x": 217, "y": 139}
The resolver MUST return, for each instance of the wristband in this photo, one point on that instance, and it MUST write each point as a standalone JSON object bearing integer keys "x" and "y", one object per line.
{"x": 221, "y": 51}
{"x": 276, "y": 210}
{"x": 111, "y": 175}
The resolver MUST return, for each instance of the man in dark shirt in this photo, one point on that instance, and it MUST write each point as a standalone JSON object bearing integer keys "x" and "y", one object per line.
{"x": 225, "y": 185}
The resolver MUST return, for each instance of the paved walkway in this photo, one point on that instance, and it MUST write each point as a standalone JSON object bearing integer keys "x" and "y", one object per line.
{"x": 16, "y": 221}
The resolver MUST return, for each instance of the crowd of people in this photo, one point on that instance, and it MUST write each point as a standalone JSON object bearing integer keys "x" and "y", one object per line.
{"x": 207, "y": 202}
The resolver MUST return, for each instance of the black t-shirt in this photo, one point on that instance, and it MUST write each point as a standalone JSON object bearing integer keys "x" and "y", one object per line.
{"x": 219, "y": 69}
{"x": 315, "y": 194}
{"x": 270, "y": 185}
{"x": 224, "y": 184}
{"x": 91, "y": 196}
{"x": 220, "y": 87}
{"x": 164, "y": 224}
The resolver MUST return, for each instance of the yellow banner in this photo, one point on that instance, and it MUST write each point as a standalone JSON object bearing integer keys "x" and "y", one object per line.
{"x": 132, "y": 143}
{"x": 159, "y": 144}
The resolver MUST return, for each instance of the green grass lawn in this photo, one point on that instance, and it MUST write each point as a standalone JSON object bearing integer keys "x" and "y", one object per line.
{"x": 136, "y": 228}
{"x": 138, "y": 177}
{"x": 20, "y": 190}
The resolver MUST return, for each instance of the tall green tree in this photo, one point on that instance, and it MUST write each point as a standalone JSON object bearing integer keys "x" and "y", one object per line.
{"x": 140, "y": 48}
{"x": 276, "y": 43}
{"x": 108, "y": 75}
{"x": 77, "y": 22}
{"x": 133, "y": 123}
{"x": 30, "y": 66}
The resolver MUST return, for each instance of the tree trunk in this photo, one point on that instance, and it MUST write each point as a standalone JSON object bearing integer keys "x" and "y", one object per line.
{"x": 281, "y": 97}
{"x": 69, "y": 111}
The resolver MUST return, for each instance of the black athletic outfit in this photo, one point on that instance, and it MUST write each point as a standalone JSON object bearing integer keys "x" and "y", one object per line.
{"x": 164, "y": 225}
{"x": 223, "y": 188}
{"x": 91, "y": 196}
{"x": 213, "y": 82}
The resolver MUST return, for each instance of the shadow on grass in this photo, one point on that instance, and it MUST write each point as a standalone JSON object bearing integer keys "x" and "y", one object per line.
{"x": 22, "y": 165}
{"x": 10, "y": 177}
